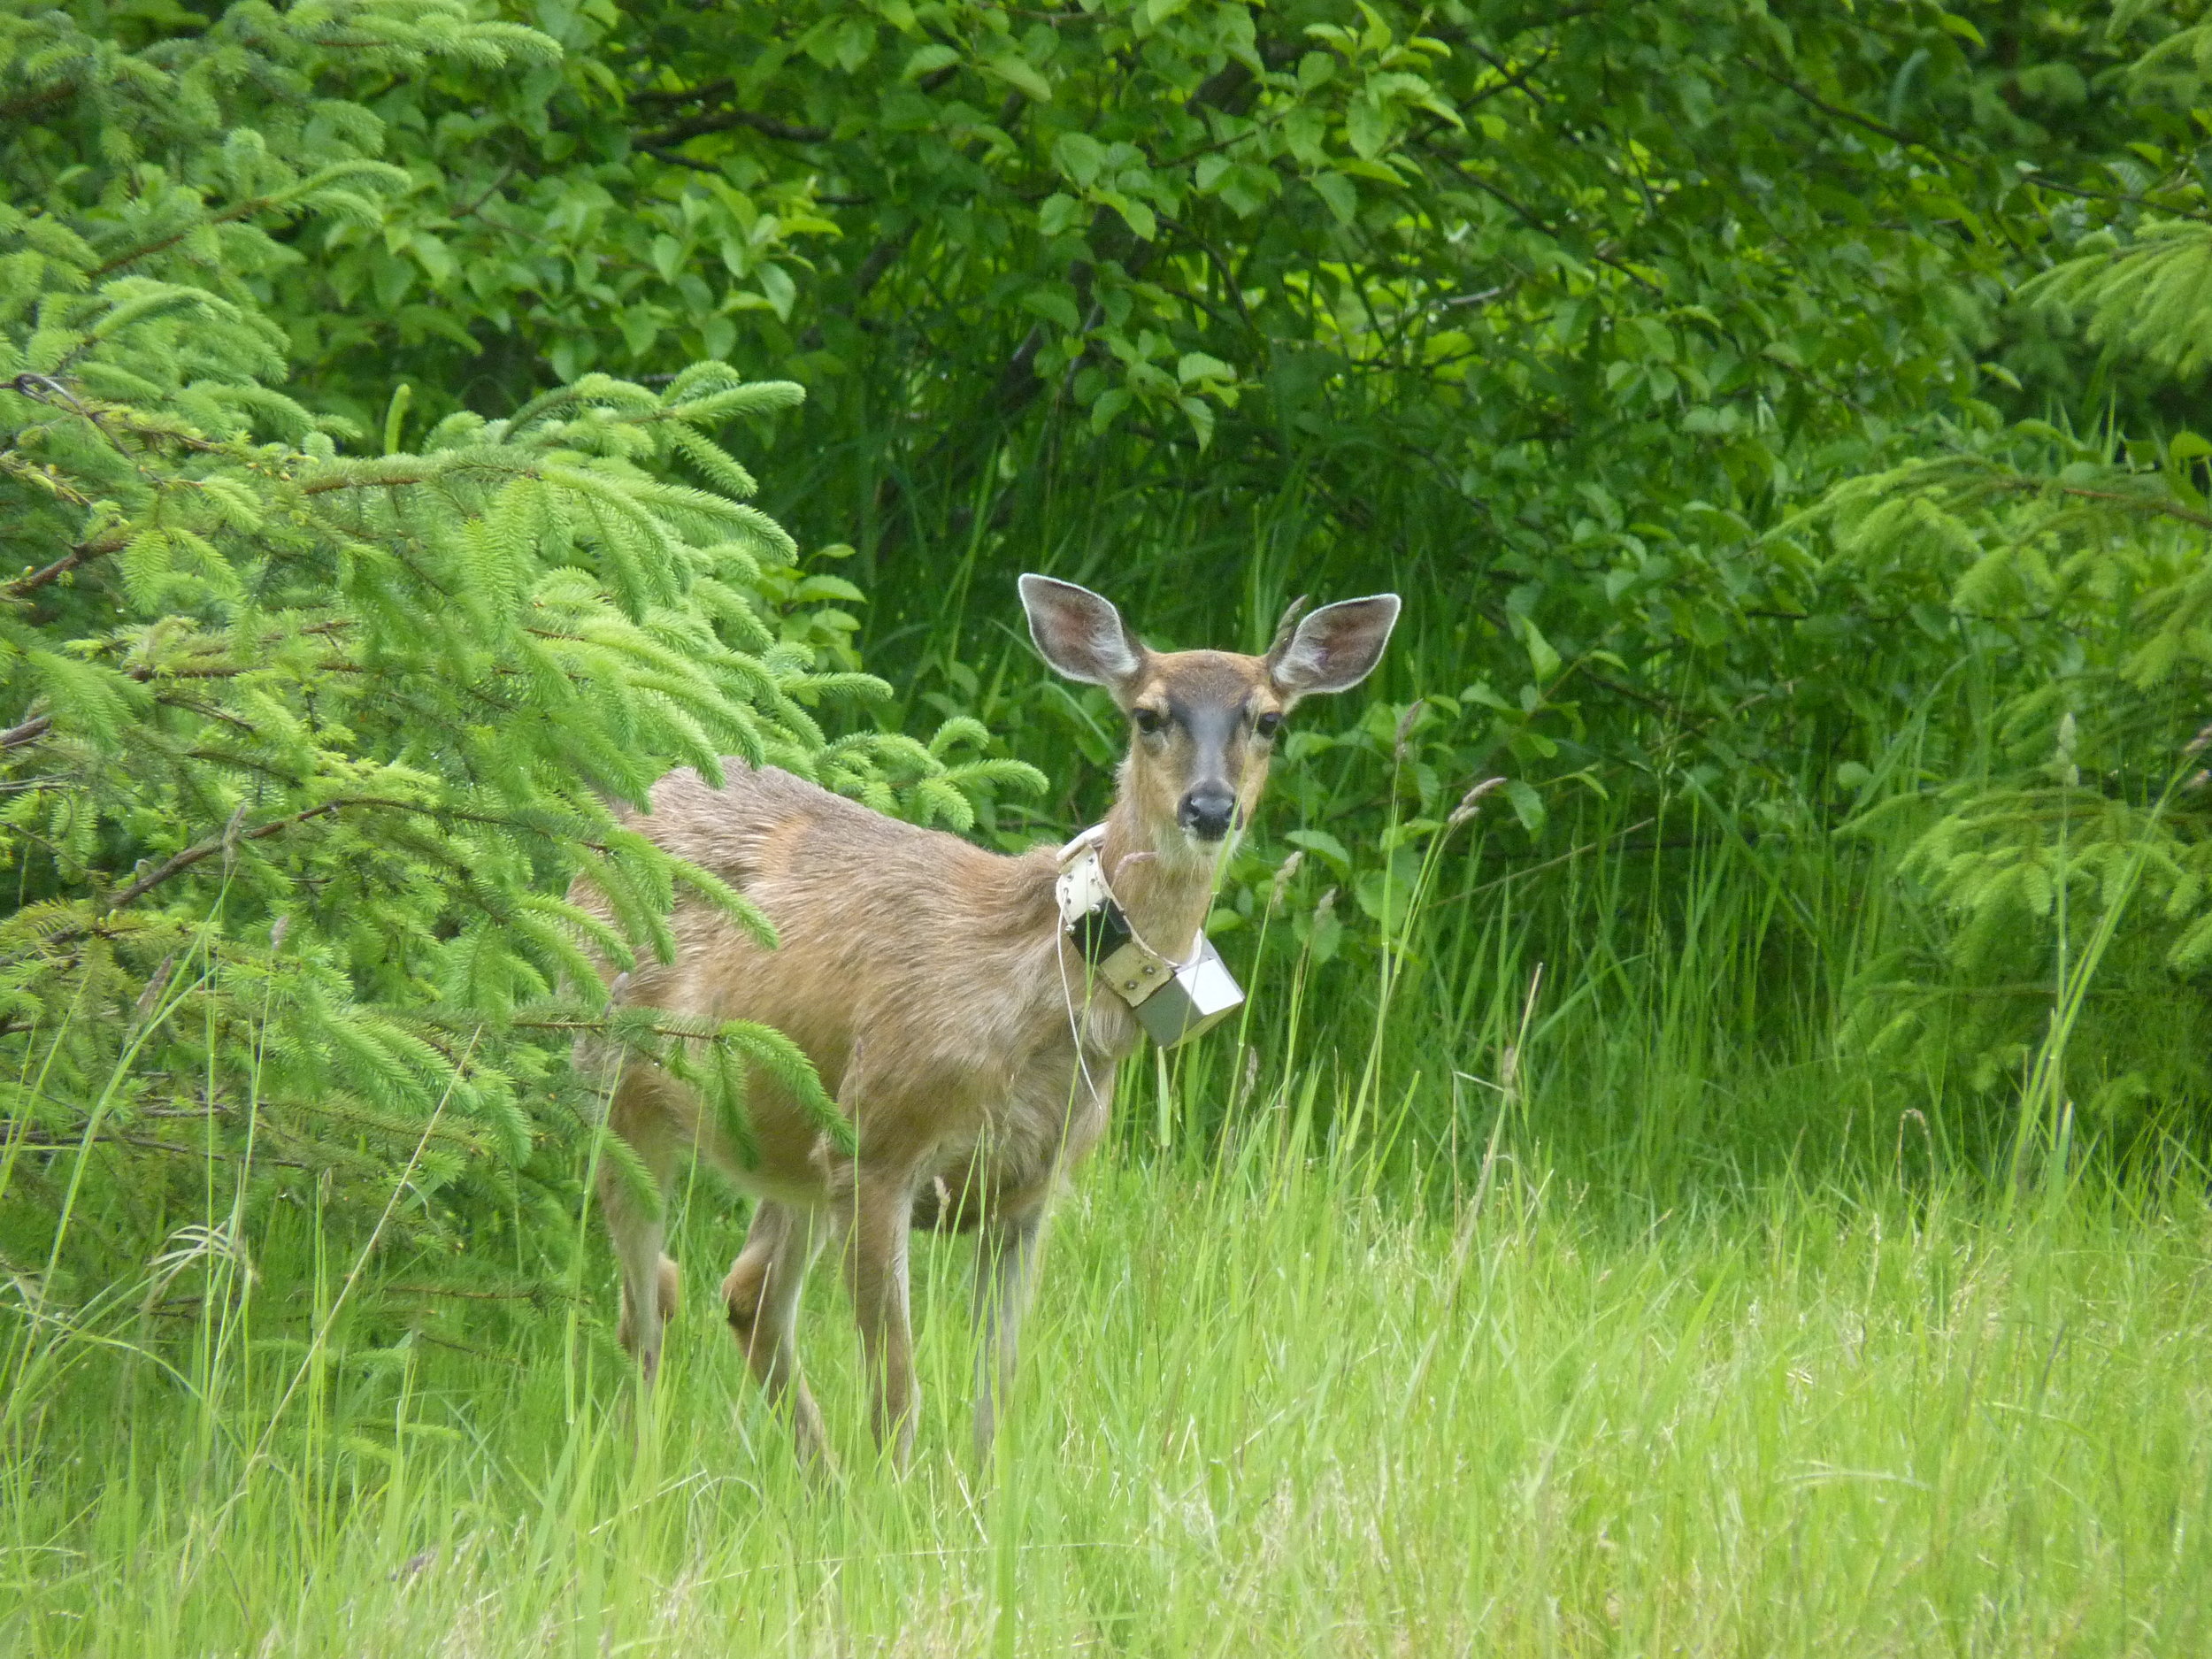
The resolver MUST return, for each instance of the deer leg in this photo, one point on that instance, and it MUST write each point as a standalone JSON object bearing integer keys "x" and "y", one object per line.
{"x": 637, "y": 1226}
{"x": 875, "y": 1272}
{"x": 762, "y": 1295}
{"x": 1005, "y": 1272}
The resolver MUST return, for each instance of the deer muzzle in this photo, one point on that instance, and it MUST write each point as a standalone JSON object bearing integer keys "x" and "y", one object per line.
{"x": 1207, "y": 811}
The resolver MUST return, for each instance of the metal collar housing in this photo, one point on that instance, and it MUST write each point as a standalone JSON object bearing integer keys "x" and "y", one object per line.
{"x": 1173, "y": 1001}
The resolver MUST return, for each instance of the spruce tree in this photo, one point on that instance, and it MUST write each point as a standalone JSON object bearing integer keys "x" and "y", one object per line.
{"x": 308, "y": 728}
{"x": 2069, "y": 855}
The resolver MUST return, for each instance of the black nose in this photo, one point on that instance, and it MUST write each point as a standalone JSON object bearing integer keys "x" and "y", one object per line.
{"x": 1207, "y": 812}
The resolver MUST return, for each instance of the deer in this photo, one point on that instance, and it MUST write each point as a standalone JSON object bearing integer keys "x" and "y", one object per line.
{"x": 944, "y": 1001}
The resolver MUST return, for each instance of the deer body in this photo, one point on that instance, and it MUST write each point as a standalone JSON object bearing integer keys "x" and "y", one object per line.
{"x": 931, "y": 983}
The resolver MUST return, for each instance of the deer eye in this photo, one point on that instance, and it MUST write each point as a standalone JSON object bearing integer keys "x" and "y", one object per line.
{"x": 1267, "y": 725}
{"x": 1149, "y": 721}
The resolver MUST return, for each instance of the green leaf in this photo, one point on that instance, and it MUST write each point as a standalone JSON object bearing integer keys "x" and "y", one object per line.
{"x": 1058, "y": 214}
{"x": 1338, "y": 193}
{"x": 1134, "y": 213}
{"x": 1528, "y": 806}
{"x": 1017, "y": 72}
{"x": 777, "y": 285}
{"x": 1324, "y": 845}
{"x": 1200, "y": 414}
{"x": 927, "y": 60}
{"x": 1543, "y": 660}
{"x": 1079, "y": 158}
{"x": 1367, "y": 125}
{"x": 1055, "y": 304}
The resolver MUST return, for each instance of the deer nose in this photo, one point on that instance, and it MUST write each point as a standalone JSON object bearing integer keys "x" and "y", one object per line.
{"x": 1208, "y": 811}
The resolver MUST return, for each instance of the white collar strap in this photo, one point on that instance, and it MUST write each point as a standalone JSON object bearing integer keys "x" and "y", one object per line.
{"x": 1081, "y": 887}
{"x": 1087, "y": 840}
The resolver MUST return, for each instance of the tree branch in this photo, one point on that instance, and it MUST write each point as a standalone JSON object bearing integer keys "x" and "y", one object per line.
{"x": 183, "y": 861}
{"x": 83, "y": 553}
{"x": 244, "y": 210}
{"x": 722, "y": 120}
{"x": 1841, "y": 113}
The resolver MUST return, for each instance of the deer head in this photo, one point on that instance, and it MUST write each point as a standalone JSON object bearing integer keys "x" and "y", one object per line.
{"x": 1202, "y": 723}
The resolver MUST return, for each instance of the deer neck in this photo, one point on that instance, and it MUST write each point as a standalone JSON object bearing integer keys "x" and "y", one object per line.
{"x": 1163, "y": 884}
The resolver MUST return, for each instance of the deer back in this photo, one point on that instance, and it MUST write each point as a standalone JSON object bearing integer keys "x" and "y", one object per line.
{"x": 925, "y": 977}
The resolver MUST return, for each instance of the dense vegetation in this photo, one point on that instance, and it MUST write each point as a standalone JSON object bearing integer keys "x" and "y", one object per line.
{"x": 1781, "y": 420}
{"x": 1773, "y": 415}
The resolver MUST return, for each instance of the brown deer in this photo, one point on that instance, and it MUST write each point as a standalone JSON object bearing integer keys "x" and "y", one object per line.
{"x": 941, "y": 998}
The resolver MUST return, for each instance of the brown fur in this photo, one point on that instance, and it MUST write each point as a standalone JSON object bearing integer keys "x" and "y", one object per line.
{"x": 929, "y": 982}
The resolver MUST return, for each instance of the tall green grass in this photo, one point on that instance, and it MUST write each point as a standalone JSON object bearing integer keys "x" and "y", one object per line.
{"x": 1267, "y": 1411}
{"x": 1450, "y": 1304}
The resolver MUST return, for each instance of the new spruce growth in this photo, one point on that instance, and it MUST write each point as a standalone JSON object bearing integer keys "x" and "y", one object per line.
{"x": 305, "y": 733}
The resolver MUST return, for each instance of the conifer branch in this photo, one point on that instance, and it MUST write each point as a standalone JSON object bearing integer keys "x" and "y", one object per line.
{"x": 2161, "y": 506}
{"x": 29, "y": 732}
{"x": 84, "y": 553}
{"x": 483, "y": 643}
{"x": 229, "y": 215}
{"x": 180, "y": 862}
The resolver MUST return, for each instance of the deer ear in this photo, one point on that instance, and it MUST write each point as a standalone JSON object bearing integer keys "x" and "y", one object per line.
{"x": 1335, "y": 648}
{"x": 1079, "y": 632}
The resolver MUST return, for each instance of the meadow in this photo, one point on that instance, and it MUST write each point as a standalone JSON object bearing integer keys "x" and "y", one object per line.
{"x": 1267, "y": 1411}
{"x": 1715, "y": 1159}
{"x": 1484, "y": 1364}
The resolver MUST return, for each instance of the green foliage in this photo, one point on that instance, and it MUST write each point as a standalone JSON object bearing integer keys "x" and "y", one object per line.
{"x": 2074, "y": 576}
{"x": 1541, "y": 316}
{"x": 308, "y": 741}
{"x": 1565, "y": 323}
{"x": 1549, "y": 320}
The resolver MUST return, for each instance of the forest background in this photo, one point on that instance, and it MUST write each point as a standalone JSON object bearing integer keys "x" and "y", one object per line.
{"x": 422, "y": 423}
